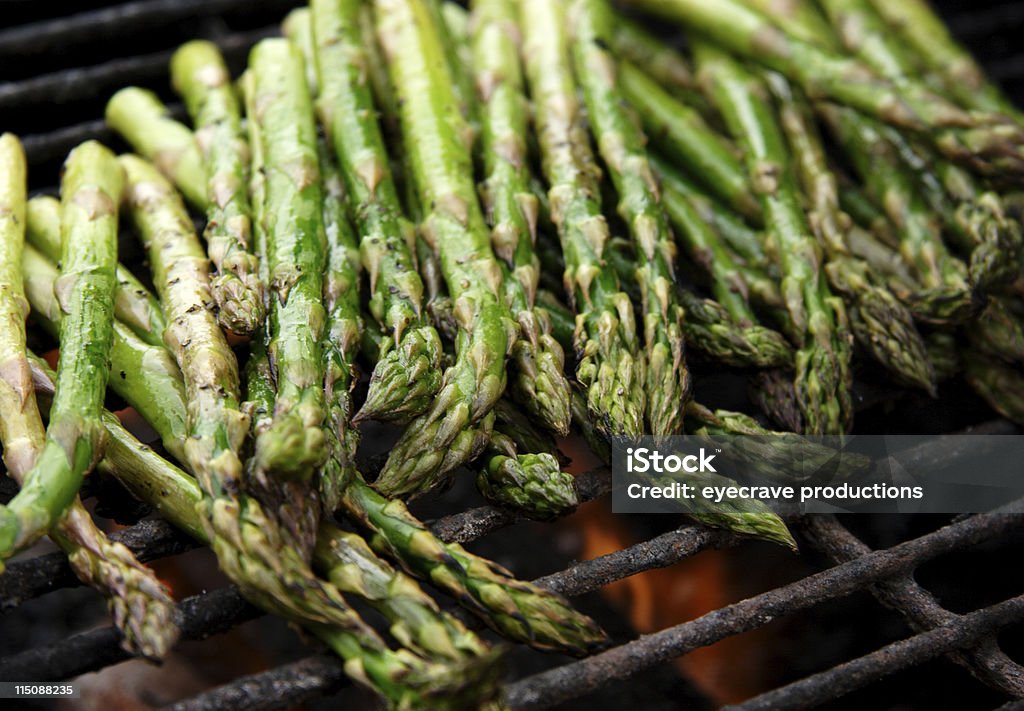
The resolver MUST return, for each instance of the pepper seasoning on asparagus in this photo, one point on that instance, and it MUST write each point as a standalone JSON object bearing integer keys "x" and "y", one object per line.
{"x": 457, "y": 425}
{"x": 141, "y": 606}
{"x": 823, "y": 360}
{"x": 610, "y": 363}
{"x": 408, "y": 372}
{"x": 90, "y": 192}
{"x": 538, "y": 363}
{"x": 200, "y": 76}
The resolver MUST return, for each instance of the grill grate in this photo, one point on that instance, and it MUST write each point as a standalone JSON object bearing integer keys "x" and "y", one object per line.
{"x": 967, "y": 639}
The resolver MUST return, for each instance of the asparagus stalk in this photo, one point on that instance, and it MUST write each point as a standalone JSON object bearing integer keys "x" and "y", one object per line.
{"x": 987, "y": 143}
{"x": 141, "y": 606}
{"x": 533, "y": 483}
{"x": 682, "y": 133}
{"x": 134, "y": 305}
{"x": 1000, "y": 384}
{"x": 90, "y": 192}
{"x": 632, "y": 43}
{"x": 773, "y": 393}
{"x": 610, "y": 364}
{"x": 343, "y": 558}
{"x": 621, "y": 144}
{"x": 995, "y": 240}
{"x": 946, "y": 296}
{"x": 131, "y": 359}
{"x": 407, "y": 374}
{"x": 822, "y": 363}
{"x": 458, "y": 423}
{"x": 143, "y": 120}
{"x": 200, "y": 76}
{"x": 343, "y": 333}
{"x": 538, "y": 363}
{"x": 292, "y": 446}
{"x": 251, "y": 547}
{"x": 931, "y": 41}
{"x": 882, "y": 325}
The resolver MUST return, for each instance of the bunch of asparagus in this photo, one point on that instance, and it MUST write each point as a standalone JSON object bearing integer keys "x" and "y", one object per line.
{"x": 393, "y": 188}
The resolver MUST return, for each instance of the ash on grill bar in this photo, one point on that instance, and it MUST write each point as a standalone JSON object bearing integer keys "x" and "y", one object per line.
{"x": 318, "y": 323}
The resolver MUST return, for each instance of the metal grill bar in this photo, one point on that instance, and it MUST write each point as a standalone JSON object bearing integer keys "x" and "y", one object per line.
{"x": 93, "y": 82}
{"x": 557, "y": 685}
{"x": 51, "y": 35}
{"x": 279, "y": 688}
{"x": 27, "y": 579}
{"x": 986, "y": 662}
{"x": 842, "y": 679}
{"x": 199, "y": 617}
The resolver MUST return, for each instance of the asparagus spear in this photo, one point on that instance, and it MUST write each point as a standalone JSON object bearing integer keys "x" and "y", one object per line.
{"x": 931, "y": 41}
{"x": 90, "y": 191}
{"x": 999, "y": 332}
{"x": 1000, "y": 384}
{"x": 131, "y": 359}
{"x": 946, "y": 296}
{"x": 292, "y": 446}
{"x": 709, "y": 326}
{"x": 134, "y": 305}
{"x": 538, "y": 363}
{"x": 881, "y": 324}
{"x": 343, "y": 332}
{"x": 822, "y": 363}
{"x": 200, "y": 76}
{"x": 621, "y": 144}
{"x": 458, "y": 423}
{"x": 632, "y": 43}
{"x": 533, "y": 484}
{"x": 143, "y": 120}
{"x": 251, "y": 547}
{"x": 141, "y": 606}
{"x": 988, "y": 143}
{"x": 994, "y": 240}
{"x": 683, "y": 134}
{"x": 610, "y": 364}
{"x": 407, "y": 375}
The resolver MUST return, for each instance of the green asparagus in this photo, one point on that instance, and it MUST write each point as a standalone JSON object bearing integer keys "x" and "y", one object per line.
{"x": 407, "y": 374}
{"x": 457, "y": 425}
{"x": 90, "y": 193}
{"x": 610, "y": 363}
{"x": 532, "y": 484}
{"x": 538, "y": 363}
{"x": 134, "y": 305}
{"x": 200, "y": 76}
{"x": 293, "y": 445}
{"x": 144, "y": 121}
{"x": 621, "y": 144}
{"x": 823, "y": 360}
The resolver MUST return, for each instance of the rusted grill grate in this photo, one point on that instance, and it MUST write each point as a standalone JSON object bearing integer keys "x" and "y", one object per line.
{"x": 969, "y": 639}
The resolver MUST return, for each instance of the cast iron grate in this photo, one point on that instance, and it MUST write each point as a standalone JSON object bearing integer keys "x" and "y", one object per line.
{"x": 60, "y": 72}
